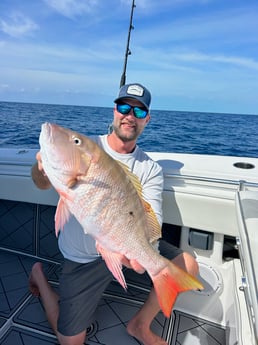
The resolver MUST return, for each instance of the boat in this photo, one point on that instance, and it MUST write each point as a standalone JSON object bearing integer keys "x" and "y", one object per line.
{"x": 210, "y": 206}
{"x": 210, "y": 209}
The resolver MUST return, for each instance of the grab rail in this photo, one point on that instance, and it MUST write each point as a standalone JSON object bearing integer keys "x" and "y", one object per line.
{"x": 240, "y": 183}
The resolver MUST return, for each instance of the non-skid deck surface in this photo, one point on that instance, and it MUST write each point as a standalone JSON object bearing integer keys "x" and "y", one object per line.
{"x": 23, "y": 321}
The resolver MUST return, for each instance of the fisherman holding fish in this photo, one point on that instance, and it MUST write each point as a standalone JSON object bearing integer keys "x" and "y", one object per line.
{"x": 100, "y": 176}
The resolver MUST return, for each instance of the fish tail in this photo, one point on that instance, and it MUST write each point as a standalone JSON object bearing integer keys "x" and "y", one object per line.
{"x": 169, "y": 282}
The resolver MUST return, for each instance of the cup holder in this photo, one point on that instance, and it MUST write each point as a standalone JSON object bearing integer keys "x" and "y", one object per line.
{"x": 244, "y": 165}
{"x": 210, "y": 279}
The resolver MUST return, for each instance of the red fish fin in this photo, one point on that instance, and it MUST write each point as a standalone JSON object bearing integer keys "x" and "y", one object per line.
{"x": 169, "y": 283}
{"x": 114, "y": 264}
{"x": 62, "y": 215}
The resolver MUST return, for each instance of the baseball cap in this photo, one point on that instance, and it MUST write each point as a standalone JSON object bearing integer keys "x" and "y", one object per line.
{"x": 135, "y": 91}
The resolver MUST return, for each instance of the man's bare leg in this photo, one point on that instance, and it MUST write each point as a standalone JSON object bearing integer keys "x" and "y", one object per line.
{"x": 40, "y": 287}
{"x": 139, "y": 326}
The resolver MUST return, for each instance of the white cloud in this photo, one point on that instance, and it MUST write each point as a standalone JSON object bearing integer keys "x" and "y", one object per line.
{"x": 221, "y": 59}
{"x": 72, "y": 8}
{"x": 4, "y": 87}
{"x": 18, "y": 25}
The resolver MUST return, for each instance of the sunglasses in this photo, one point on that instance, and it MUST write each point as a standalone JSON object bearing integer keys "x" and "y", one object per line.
{"x": 124, "y": 108}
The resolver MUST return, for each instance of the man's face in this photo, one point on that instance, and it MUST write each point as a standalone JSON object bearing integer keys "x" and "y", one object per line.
{"x": 128, "y": 127}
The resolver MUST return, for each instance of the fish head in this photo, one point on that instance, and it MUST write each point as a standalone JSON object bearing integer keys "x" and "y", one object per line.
{"x": 64, "y": 154}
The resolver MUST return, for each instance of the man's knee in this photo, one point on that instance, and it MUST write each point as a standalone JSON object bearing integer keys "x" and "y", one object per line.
{"x": 187, "y": 262}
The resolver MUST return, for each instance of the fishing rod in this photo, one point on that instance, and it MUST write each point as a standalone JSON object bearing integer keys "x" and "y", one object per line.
{"x": 127, "y": 50}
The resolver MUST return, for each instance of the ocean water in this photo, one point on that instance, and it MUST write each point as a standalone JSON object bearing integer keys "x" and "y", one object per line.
{"x": 168, "y": 131}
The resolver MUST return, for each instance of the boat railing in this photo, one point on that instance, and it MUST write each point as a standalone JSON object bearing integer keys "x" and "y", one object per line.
{"x": 239, "y": 184}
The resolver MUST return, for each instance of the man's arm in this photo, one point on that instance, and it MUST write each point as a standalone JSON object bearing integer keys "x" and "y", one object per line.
{"x": 152, "y": 190}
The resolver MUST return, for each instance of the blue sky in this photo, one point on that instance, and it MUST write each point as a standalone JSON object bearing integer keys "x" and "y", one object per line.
{"x": 193, "y": 55}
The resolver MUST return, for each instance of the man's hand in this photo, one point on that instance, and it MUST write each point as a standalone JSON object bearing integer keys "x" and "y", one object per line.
{"x": 38, "y": 175}
{"x": 132, "y": 264}
{"x": 40, "y": 166}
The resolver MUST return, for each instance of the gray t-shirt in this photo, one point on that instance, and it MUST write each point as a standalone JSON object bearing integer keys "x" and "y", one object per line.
{"x": 77, "y": 246}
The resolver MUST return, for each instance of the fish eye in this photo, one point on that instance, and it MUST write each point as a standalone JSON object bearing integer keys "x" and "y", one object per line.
{"x": 77, "y": 141}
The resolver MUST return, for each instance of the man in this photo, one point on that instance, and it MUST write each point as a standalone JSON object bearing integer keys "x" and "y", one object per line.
{"x": 85, "y": 275}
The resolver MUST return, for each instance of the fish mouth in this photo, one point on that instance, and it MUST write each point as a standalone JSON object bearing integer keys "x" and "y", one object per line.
{"x": 47, "y": 132}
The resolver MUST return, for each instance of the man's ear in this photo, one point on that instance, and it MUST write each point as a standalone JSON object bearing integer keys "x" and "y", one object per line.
{"x": 148, "y": 118}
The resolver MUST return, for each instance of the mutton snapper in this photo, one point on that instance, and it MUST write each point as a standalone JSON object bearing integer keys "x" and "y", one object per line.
{"x": 105, "y": 198}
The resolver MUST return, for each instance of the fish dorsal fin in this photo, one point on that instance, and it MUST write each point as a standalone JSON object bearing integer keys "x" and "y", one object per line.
{"x": 134, "y": 179}
{"x": 153, "y": 224}
{"x": 154, "y": 228}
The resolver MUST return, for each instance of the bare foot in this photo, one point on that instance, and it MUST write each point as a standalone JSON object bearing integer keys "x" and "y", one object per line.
{"x": 33, "y": 286}
{"x": 144, "y": 334}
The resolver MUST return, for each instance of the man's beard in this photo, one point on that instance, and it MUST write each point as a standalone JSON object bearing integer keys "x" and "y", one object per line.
{"x": 125, "y": 137}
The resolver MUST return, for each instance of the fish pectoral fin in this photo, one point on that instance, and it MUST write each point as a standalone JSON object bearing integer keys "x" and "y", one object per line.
{"x": 62, "y": 215}
{"x": 169, "y": 282}
{"x": 114, "y": 264}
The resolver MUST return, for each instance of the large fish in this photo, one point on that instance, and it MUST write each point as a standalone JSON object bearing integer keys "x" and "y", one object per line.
{"x": 105, "y": 197}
